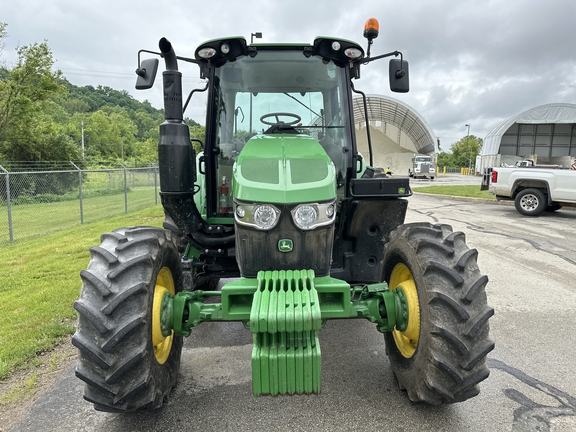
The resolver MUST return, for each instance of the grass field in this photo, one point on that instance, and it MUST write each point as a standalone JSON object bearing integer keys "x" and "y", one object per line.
{"x": 472, "y": 191}
{"x": 39, "y": 282}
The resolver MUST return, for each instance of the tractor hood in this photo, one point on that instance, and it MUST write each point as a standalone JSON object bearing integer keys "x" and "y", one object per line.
{"x": 284, "y": 169}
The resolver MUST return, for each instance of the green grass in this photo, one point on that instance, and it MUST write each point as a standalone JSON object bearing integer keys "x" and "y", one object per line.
{"x": 462, "y": 191}
{"x": 39, "y": 282}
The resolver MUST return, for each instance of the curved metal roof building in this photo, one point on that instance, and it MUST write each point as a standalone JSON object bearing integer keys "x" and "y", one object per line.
{"x": 547, "y": 131}
{"x": 394, "y": 112}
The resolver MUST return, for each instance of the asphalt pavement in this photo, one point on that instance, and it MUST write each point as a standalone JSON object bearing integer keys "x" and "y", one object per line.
{"x": 531, "y": 265}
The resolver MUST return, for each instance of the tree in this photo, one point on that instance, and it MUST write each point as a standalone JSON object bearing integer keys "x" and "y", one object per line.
{"x": 146, "y": 151}
{"x": 465, "y": 151}
{"x": 109, "y": 135}
{"x": 462, "y": 153}
{"x": 146, "y": 123}
{"x": 74, "y": 106}
{"x": 199, "y": 133}
{"x": 446, "y": 160}
{"x": 23, "y": 100}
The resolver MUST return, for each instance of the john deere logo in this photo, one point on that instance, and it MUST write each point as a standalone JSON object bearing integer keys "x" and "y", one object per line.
{"x": 285, "y": 245}
{"x": 401, "y": 190}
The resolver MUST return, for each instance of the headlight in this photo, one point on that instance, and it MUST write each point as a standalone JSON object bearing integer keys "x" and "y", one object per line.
{"x": 207, "y": 53}
{"x": 305, "y": 216}
{"x": 265, "y": 216}
{"x": 330, "y": 210}
{"x": 353, "y": 53}
{"x": 259, "y": 216}
{"x": 313, "y": 215}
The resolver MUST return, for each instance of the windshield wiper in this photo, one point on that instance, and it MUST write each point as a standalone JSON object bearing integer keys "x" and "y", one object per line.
{"x": 304, "y": 105}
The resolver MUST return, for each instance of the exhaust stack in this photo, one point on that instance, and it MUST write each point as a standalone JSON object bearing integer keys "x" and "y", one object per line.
{"x": 176, "y": 156}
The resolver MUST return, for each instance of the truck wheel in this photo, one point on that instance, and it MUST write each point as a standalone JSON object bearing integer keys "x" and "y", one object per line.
{"x": 124, "y": 360}
{"x": 530, "y": 202}
{"x": 441, "y": 356}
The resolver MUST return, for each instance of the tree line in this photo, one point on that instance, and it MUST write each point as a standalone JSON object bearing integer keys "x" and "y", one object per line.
{"x": 43, "y": 116}
{"x": 462, "y": 153}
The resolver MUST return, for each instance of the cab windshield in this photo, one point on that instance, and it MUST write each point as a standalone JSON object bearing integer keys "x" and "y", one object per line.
{"x": 307, "y": 88}
{"x": 280, "y": 86}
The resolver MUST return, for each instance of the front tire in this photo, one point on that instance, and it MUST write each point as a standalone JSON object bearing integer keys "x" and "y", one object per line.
{"x": 124, "y": 360}
{"x": 441, "y": 356}
{"x": 530, "y": 202}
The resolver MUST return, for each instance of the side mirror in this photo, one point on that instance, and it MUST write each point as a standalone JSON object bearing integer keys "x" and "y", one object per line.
{"x": 146, "y": 74}
{"x": 399, "y": 76}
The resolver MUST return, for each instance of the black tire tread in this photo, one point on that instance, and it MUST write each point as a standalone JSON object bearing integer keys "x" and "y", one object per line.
{"x": 116, "y": 360}
{"x": 450, "y": 360}
{"x": 542, "y": 202}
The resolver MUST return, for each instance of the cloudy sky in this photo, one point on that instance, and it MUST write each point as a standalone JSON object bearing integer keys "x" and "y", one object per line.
{"x": 471, "y": 62}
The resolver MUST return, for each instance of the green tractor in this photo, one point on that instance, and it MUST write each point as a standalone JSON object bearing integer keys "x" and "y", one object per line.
{"x": 280, "y": 207}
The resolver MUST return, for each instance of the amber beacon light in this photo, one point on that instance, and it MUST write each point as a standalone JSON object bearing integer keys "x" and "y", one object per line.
{"x": 371, "y": 29}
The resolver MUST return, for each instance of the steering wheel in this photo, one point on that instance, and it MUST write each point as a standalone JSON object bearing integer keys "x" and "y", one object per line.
{"x": 277, "y": 116}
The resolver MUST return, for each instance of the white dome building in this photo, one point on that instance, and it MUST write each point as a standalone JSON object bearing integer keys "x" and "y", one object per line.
{"x": 397, "y": 132}
{"x": 545, "y": 134}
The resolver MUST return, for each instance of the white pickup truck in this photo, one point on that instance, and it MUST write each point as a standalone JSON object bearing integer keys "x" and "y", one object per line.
{"x": 534, "y": 189}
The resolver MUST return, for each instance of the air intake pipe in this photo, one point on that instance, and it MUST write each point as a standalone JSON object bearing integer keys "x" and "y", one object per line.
{"x": 177, "y": 161}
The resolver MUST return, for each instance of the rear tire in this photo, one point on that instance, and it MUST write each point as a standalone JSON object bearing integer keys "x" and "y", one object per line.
{"x": 123, "y": 366}
{"x": 441, "y": 356}
{"x": 530, "y": 202}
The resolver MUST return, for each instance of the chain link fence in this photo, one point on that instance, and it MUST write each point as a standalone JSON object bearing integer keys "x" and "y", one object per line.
{"x": 35, "y": 202}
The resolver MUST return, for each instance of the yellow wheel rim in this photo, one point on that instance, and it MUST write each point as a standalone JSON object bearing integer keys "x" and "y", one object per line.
{"x": 162, "y": 344}
{"x": 407, "y": 340}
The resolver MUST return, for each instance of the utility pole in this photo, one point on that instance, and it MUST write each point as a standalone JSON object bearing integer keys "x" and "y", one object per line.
{"x": 468, "y": 148}
{"x": 82, "y": 139}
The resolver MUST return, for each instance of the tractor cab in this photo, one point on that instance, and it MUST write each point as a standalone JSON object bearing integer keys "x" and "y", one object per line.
{"x": 289, "y": 99}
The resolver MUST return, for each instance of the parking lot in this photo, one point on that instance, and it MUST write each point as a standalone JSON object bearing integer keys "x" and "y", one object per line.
{"x": 531, "y": 265}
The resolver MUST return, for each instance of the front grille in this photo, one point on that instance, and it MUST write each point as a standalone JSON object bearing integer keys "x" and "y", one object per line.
{"x": 259, "y": 250}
